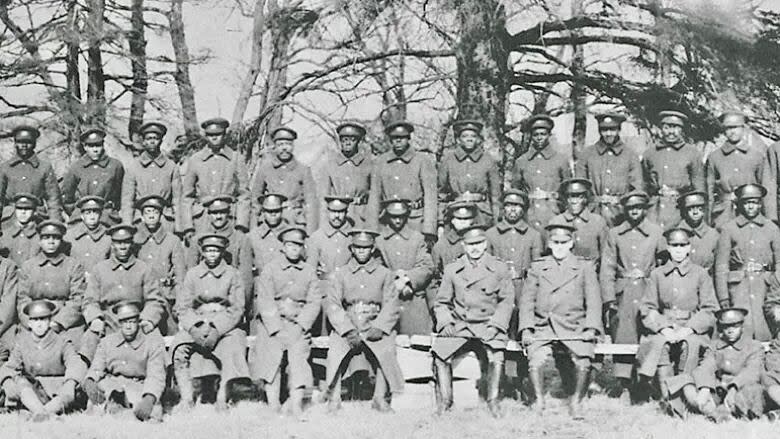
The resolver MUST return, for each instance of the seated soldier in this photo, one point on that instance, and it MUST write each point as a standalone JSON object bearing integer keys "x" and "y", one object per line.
{"x": 210, "y": 306}
{"x": 473, "y": 307}
{"x": 677, "y": 309}
{"x": 288, "y": 302}
{"x": 728, "y": 376}
{"x": 560, "y": 313}
{"x": 129, "y": 367}
{"x": 363, "y": 306}
{"x": 44, "y": 369}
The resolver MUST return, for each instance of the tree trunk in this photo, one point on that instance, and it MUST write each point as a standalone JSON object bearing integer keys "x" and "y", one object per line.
{"x": 255, "y": 60}
{"x": 182, "y": 76}
{"x": 137, "y": 43}
{"x": 73, "y": 79}
{"x": 96, "y": 86}
{"x": 578, "y": 93}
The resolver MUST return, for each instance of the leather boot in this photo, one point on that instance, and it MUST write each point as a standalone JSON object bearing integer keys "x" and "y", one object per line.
{"x": 380, "y": 401}
{"x": 444, "y": 378}
{"x": 184, "y": 381}
{"x": 664, "y": 373}
{"x": 493, "y": 387}
{"x": 582, "y": 376}
{"x": 535, "y": 375}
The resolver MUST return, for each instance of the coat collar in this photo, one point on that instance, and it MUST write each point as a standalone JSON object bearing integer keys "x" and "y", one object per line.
{"x": 357, "y": 159}
{"x": 54, "y": 261}
{"x": 739, "y": 345}
{"x": 521, "y": 226}
{"x": 33, "y": 160}
{"x": 585, "y": 216}
{"x": 406, "y": 157}
{"x": 263, "y": 229}
{"x": 29, "y": 229}
{"x": 81, "y": 230}
{"x": 729, "y": 147}
{"x": 675, "y": 146}
{"x": 683, "y": 267}
{"x": 226, "y": 231}
{"x": 475, "y": 155}
{"x": 288, "y": 264}
{"x": 208, "y": 153}
{"x": 144, "y": 234}
{"x": 329, "y": 230}
{"x": 626, "y": 227}
{"x": 276, "y": 163}
{"x": 617, "y": 148}
{"x": 699, "y": 232}
{"x": 86, "y": 162}
{"x": 116, "y": 263}
{"x": 546, "y": 152}
{"x": 760, "y": 220}
{"x": 145, "y": 159}
{"x": 134, "y": 343}
{"x": 369, "y": 266}
{"x": 48, "y": 339}
{"x": 388, "y": 232}
{"x": 487, "y": 261}
{"x": 217, "y": 271}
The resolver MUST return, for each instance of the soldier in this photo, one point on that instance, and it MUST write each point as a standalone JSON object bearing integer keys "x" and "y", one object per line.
{"x": 155, "y": 174}
{"x": 704, "y": 239}
{"x": 736, "y": 163}
{"x": 540, "y": 171}
{"x": 612, "y": 167}
{"x": 95, "y": 173}
{"x": 88, "y": 240}
{"x": 8, "y": 292}
{"x": 403, "y": 173}
{"x": 677, "y": 309}
{"x": 404, "y": 252}
{"x": 770, "y": 378}
{"x": 213, "y": 171}
{"x": 288, "y": 302}
{"x": 129, "y": 367}
{"x": 163, "y": 252}
{"x": 264, "y": 237}
{"x": 20, "y": 235}
{"x": 56, "y": 277}
{"x": 473, "y": 307}
{"x": 591, "y": 228}
{"x": 631, "y": 253}
{"x": 44, "y": 369}
{"x": 728, "y": 376}
{"x": 328, "y": 247}
{"x": 363, "y": 306}
{"x": 27, "y": 173}
{"x": 121, "y": 277}
{"x": 747, "y": 258}
{"x": 349, "y": 172}
{"x": 459, "y": 215}
{"x": 673, "y": 167}
{"x": 560, "y": 311}
{"x": 282, "y": 173}
{"x": 468, "y": 173}
{"x": 210, "y": 306}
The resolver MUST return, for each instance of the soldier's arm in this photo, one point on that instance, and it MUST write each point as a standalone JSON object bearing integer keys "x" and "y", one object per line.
{"x": 752, "y": 369}
{"x": 24, "y": 291}
{"x": 257, "y": 188}
{"x": 115, "y": 191}
{"x": 537, "y": 246}
{"x": 696, "y": 171}
{"x": 129, "y": 189}
{"x": 231, "y": 317}
{"x": 154, "y": 382}
{"x": 311, "y": 198}
{"x": 593, "y": 303}
{"x": 70, "y": 313}
{"x": 243, "y": 193}
{"x": 246, "y": 260}
{"x": 391, "y": 306}
{"x": 526, "y": 307}
{"x": 70, "y": 183}
{"x": 311, "y": 310}
{"x": 495, "y": 189}
{"x": 97, "y": 370}
{"x": 608, "y": 270}
{"x": 91, "y": 302}
{"x": 506, "y": 300}
{"x": 430, "y": 195}
{"x": 374, "y": 197}
{"x": 635, "y": 173}
{"x": 265, "y": 303}
{"x": 704, "y": 374}
{"x": 444, "y": 307}
{"x": 581, "y": 166}
{"x": 178, "y": 266}
{"x": 766, "y": 178}
{"x": 710, "y": 177}
{"x": 703, "y": 319}
{"x": 182, "y": 211}
{"x": 518, "y": 177}
{"x": 190, "y": 189}
{"x": 334, "y": 305}
{"x": 3, "y": 186}
{"x": 8, "y": 295}
{"x": 420, "y": 274}
{"x": 722, "y": 256}
{"x": 14, "y": 366}
{"x": 649, "y": 307}
{"x": 53, "y": 195}
{"x": 154, "y": 302}
{"x": 184, "y": 306}
{"x": 650, "y": 183}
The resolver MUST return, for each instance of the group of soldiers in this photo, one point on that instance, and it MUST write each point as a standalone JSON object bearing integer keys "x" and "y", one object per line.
{"x": 99, "y": 267}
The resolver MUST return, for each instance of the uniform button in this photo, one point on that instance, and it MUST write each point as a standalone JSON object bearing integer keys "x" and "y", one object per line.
{"x": 693, "y": 250}
{"x": 662, "y": 205}
{"x": 666, "y": 166}
{"x": 752, "y": 242}
{"x": 398, "y": 253}
{"x": 577, "y": 238}
{"x": 347, "y": 177}
{"x": 86, "y": 254}
{"x": 396, "y": 177}
{"x": 609, "y": 171}
{"x": 362, "y": 286}
{"x": 213, "y": 172}
{"x": 635, "y": 282}
{"x": 468, "y": 175}
{"x": 633, "y": 264}
{"x": 538, "y": 171}
{"x": 606, "y": 191}
{"x": 736, "y": 169}
{"x": 24, "y": 177}
{"x": 633, "y": 247}
{"x": 512, "y": 249}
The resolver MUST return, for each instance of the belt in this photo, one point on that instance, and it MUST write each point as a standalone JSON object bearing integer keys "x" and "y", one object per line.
{"x": 678, "y": 313}
{"x": 360, "y": 200}
{"x": 471, "y": 197}
{"x": 667, "y": 192}
{"x": 516, "y": 274}
{"x": 608, "y": 199}
{"x": 364, "y": 307}
{"x": 539, "y": 194}
{"x": 417, "y": 204}
{"x": 755, "y": 267}
{"x": 632, "y": 274}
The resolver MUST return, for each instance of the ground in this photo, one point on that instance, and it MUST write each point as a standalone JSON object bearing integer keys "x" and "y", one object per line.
{"x": 606, "y": 418}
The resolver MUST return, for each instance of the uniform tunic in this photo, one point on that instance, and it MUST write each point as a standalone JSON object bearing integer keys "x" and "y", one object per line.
{"x": 293, "y": 180}
{"x": 155, "y": 176}
{"x": 19, "y": 243}
{"x": 590, "y": 236}
{"x": 88, "y": 246}
{"x": 210, "y": 174}
{"x": 34, "y": 176}
{"x": 729, "y": 167}
{"x": 406, "y": 250}
{"x": 288, "y": 302}
{"x": 748, "y": 253}
{"x": 351, "y": 177}
{"x": 471, "y": 175}
{"x": 614, "y": 170}
{"x": 540, "y": 173}
{"x": 704, "y": 243}
{"x": 360, "y": 297}
{"x": 102, "y": 178}
{"x": 265, "y": 245}
{"x": 8, "y": 292}
{"x": 328, "y": 248}
{"x": 671, "y": 170}
{"x": 410, "y": 176}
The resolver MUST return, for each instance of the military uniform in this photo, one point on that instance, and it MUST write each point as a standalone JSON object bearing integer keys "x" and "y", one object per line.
{"x": 32, "y": 176}
{"x": 470, "y": 176}
{"x": 591, "y": 229}
{"x": 19, "y": 242}
{"x": 264, "y": 238}
{"x": 328, "y": 248}
{"x": 351, "y": 176}
{"x": 8, "y": 293}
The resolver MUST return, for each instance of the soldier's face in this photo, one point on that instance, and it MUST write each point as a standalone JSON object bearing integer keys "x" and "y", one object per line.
{"x": 671, "y": 133}
{"x": 152, "y": 142}
{"x": 215, "y": 140}
{"x": 734, "y": 134}
{"x": 50, "y": 243}
{"x": 361, "y": 254}
{"x": 129, "y": 328}
{"x": 337, "y": 218}
{"x": 122, "y": 249}
{"x": 695, "y": 214}
{"x": 560, "y": 246}
{"x": 577, "y": 203}
{"x": 469, "y": 140}
{"x": 731, "y": 333}
{"x": 273, "y": 217}
{"x": 513, "y": 212}
{"x": 475, "y": 250}
{"x": 23, "y": 214}
{"x": 349, "y": 145}
{"x": 540, "y": 137}
{"x": 636, "y": 213}
{"x": 39, "y": 327}
{"x": 397, "y": 222}
{"x": 283, "y": 149}
{"x": 151, "y": 216}
{"x": 211, "y": 255}
{"x": 400, "y": 144}
{"x": 292, "y": 250}
{"x": 94, "y": 151}
{"x": 751, "y": 208}
{"x": 219, "y": 218}
{"x": 609, "y": 135}
{"x": 461, "y": 223}
{"x": 679, "y": 251}
{"x": 24, "y": 148}
{"x": 90, "y": 218}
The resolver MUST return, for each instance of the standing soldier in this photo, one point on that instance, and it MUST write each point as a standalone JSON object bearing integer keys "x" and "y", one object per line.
{"x": 44, "y": 369}
{"x": 473, "y": 307}
{"x": 210, "y": 306}
{"x": 673, "y": 167}
{"x": 87, "y": 240}
{"x": 95, "y": 173}
{"x": 282, "y": 173}
{"x": 56, "y": 277}
{"x": 677, "y": 310}
{"x": 704, "y": 239}
{"x": 19, "y": 237}
{"x": 612, "y": 167}
{"x": 362, "y": 305}
{"x": 163, "y": 252}
{"x": 631, "y": 252}
{"x": 155, "y": 174}
{"x": 540, "y": 171}
{"x": 349, "y": 172}
{"x": 560, "y": 310}
{"x": 403, "y": 173}
{"x": 288, "y": 302}
{"x": 213, "y": 171}
{"x": 736, "y": 163}
{"x": 405, "y": 253}
{"x": 459, "y": 216}
{"x": 264, "y": 237}
{"x": 590, "y": 237}
{"x": 328, "y": 247}
{"x": 129, "y": 367}
{"x": 27, "y": 173}
{"x": 120, "y": 278}
{"x": 468, "y": 173}
{"x": 746, "y": 260}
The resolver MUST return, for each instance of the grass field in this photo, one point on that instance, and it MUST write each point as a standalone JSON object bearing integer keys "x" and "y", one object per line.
{"x": 606, "y": 418}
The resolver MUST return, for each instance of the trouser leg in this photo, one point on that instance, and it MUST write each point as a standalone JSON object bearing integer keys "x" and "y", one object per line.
{"x": 181, "y": 371}
{"x": 444, "y": 381}
{"x": 582, "y": 375}
{"x": 495, "y": 369}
